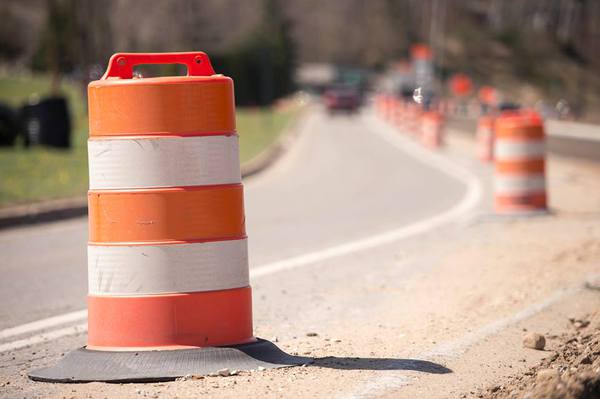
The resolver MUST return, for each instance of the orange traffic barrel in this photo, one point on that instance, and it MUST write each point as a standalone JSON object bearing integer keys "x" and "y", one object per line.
{"x": 405, "y": 115}
{"x": 488, "y": 95}
{"x": 432, "y": 129}
{"x": 384, "y": 106}
{"x": 519, "y": 153}
{"x": 167, "y": 253}
{"x": 397, "y": 120}
{"x": 380, "y": 105}
{"x": 420, "y": 51}
{"x": 390, "y": 108}
{"x": 460, "y": 85}
{"x": 413, "y": 114}
{"x": 485, "y": 138}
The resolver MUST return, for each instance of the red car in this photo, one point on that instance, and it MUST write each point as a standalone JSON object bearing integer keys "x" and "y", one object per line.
{"x": 342, "y": 99}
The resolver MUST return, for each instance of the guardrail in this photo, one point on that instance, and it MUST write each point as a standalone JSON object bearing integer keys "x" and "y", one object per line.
{"x": 573, "y": 130}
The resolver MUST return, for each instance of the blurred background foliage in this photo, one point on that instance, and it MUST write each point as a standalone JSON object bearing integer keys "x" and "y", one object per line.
{"x": 531, "y": 50}
{"x": 554, "y": 45}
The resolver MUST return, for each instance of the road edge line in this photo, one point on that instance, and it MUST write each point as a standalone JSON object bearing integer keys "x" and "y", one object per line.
{"x": 473, "y": 194}
{"x": 394, "y": 379}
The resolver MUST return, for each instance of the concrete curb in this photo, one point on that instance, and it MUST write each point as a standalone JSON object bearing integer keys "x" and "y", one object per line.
{"x": 273, "y": 152}
{"x": 66, "y": 208}
{"x": 40, "y": 212}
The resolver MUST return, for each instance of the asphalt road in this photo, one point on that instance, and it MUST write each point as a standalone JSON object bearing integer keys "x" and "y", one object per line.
{"x": 340, "y": 182}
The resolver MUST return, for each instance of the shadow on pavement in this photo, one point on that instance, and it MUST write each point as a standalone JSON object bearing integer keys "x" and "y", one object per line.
{"x": 358, "y": 363}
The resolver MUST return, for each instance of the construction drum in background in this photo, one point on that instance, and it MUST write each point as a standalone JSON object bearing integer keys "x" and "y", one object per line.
{"x": 387, "y": 107}
{"x": 485, "y": 138}
{"x": 398, "y": 119}
{"x": 413, "y": 119}
{"x": 432, "y": 129}
{"x": 520, "y": 185}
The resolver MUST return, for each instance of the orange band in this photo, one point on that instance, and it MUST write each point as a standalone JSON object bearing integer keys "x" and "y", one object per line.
{"x": 193, "y": 106}
{"x": 525, "y": 166}
{"x": 486, "y": 122}
{"x": 523, "y": 133}
{"x": 167, "y": 215}
{"x": 173, "y": 321}
{"x": 520, "y": 202}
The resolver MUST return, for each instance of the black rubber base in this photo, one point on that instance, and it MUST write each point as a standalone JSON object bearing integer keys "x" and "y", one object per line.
{"x": 511, "y": 216}
{"x": 524, "y": 213}
{"x": 84, "y": 365}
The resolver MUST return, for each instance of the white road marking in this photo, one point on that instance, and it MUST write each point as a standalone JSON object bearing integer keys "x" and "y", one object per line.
{"x": 43, "y": 324}
{"x": 469, "y": 201}
{"x": 390, "y": 380}
{"x": 453, "y": 348}
{"x": 45, "y": 337}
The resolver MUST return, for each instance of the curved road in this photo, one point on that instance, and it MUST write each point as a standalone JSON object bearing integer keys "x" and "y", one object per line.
{"x": 340, "y": 182}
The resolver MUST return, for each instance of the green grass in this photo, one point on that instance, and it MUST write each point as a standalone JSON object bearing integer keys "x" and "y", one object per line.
{"x": 28, "y": 175}
{"x": 258, "y": 128}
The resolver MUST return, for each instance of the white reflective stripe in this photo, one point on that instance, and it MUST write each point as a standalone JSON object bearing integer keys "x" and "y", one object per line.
{"x": 163, "y": 162}
{"x": 156, "y": 269}
{"x": 512, "y": 149}
{"x": 519, "y": 184}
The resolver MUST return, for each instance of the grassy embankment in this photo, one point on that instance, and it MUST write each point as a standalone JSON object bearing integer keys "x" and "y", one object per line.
{"x": 35, "y": 174}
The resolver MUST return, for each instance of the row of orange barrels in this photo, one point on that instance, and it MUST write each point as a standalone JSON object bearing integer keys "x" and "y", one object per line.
{"x": 409, "y": 117}
{"x": 513, "y": 140}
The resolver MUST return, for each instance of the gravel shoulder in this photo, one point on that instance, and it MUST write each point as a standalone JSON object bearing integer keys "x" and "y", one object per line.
{"x": 440, "y": 315}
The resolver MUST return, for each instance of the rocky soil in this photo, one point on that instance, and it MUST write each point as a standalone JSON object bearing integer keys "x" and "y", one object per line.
{"x": 571, "y": 371}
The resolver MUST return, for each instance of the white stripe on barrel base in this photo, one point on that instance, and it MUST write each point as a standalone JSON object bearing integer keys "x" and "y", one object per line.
{"x": 158, "y": 269}
{"x": 515, "y": 149}
{"x": 519, "y": 184}
{"x": 163, "y": 162}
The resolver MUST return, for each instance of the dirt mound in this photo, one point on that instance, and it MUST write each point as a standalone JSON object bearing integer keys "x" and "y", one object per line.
{"x": 571, "y": 372}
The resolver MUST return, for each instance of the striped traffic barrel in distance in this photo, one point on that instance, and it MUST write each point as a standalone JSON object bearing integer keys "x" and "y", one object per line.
{"x": 397, "y": 115}
{"x": 383, "y": 106}
{"x": 519, "y": 153}
{"x": 432, "y": 129}
{"x": 485, "y": 138}
{"x": 380, "y": 104}
{"x": 401, "y": 115}
{"x": 413, "y": 114}
{"x": 167, "y": 256}
{"x": 389, "y": 107}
